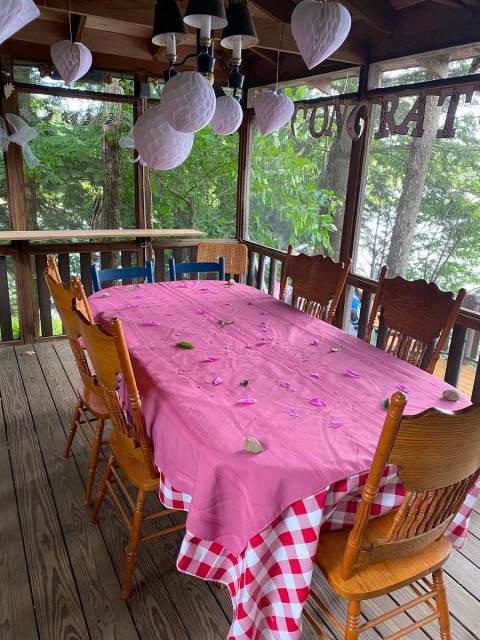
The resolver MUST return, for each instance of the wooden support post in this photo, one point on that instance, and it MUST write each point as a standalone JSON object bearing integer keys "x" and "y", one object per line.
{"x": 244, "y": 174}
{"x": 27, "y": 309}
{"x": 455, "y": 354}
{"x": 355, "y": 191}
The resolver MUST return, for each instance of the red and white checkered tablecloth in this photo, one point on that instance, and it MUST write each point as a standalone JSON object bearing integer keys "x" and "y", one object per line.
{"x": 270, "y": 580}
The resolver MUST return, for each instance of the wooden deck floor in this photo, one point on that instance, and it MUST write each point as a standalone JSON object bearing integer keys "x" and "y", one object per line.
{"x": 59, "y": 575}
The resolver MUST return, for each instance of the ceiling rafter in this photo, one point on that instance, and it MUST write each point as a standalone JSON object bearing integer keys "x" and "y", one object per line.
{"x": 379, "y": 14}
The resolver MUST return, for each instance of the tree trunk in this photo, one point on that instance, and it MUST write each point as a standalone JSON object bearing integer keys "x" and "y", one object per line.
{"x": 414, "y": 181}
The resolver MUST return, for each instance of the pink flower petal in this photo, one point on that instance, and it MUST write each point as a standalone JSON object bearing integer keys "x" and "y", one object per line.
{"x": 292, "y": 412}
{"x": 250, "y": 303}
{"x": 131, "y": 305}
{"x": 218, "y": 381}
{"x": 140, "y": 295}
{"x": 286, "y": 384}
{"x": 212, "y": 359}
{"x": 352, "y": 373}
{"x": 334, "y": 424}
{"x": 152, "y": 323}
{"x": 202, "y": 312}
{"x": 403, "y": 387}
{"x": 261, "y": 344}
{"x": 247, "y": 401}
{"x": 318, "y": 402}
{"x": 264, "y": 313}
{"x": 315, "y": 342}
{"x": 169, "y": 313}
{"x": 316, "y": 375}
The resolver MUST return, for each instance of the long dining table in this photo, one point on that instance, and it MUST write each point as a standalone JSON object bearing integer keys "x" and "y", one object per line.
{"x": 217, "y": 364}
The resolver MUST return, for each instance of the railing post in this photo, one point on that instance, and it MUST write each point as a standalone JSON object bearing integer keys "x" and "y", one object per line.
{"x": 455, "y": 354}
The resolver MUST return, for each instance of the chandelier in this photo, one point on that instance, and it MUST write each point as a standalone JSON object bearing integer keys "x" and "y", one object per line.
{"x": 206, "y": 16}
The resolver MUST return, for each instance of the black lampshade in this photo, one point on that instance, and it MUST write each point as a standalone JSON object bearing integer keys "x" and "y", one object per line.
{"x": 168, "y": 20}
{"x": 213, "y": 8}
{"x": 240, "y": 23}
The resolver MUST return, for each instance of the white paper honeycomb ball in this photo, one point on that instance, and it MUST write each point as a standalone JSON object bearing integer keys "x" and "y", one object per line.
{"x": 188, "y": 101}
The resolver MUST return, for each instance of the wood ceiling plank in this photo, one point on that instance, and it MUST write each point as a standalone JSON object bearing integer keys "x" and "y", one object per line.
{"x": 136, "y": 11}
{"x": 278, "y": 9}
{"x": 379, "y": 14}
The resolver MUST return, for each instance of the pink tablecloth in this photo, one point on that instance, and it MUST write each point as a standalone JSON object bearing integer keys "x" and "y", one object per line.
{"x": 318, "y": 414}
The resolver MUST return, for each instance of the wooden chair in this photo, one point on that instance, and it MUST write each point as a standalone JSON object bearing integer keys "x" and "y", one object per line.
{"x": 316, "y": 281}
{"x": 52, "y": 269}
{"x": 413, "y": 315}
{"x": 196, "y": 267}
{"x": 90, "y": 398}
{"x": 122, "y": 273}
{"x": 438, "y": 456}
{"x": 235, "y": 254}
{"x": 131, "y": 448}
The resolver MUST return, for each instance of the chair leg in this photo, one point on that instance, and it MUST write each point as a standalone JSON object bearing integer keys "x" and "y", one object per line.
{"x": 107, "y": 474}
{"x": 73, "y": 428}
{"x": 353, "y": 620}
{"x": 442, "y": 605}
{"x": 97, "y": 443}
{"x": 133, "y": 542}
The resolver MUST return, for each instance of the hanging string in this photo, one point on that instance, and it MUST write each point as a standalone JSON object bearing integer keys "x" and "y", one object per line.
{"x": 278, "y": 56}
{"x": 70, "y": 22}
{"x": 278, "y": 64}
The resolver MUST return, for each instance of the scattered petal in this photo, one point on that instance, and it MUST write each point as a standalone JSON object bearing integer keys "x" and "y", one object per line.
{"x": 169, "y": 313}
{"x": 316, "y": 375}
{"x": 218, "y": 381}
{"x": 131, "y": 305}
{"x": 334, "y": 424}
{"x": 250, "y": 303}
{"x": 251, "y": 346}
{"x": 352, "y": 373}
{"x": 247, "y": 401}
{"x": 185, "y": 345}
{"x": 404, "y": 388}
{"x": 252, "y": 445}
{"x": 263, "y": 326}
{"x": 212, "y": 359}
{"x": 318, "y": 402}
{"x": 286, "y": 384}
{"x": 293, "y": 412}
{"x": 386, "y": 403}
{"x": 264, "y": 313}
{"x": 336, "y": 349}
{"x": 104, "y": 295}
{"x": 28, "y": 353}
{"x": 315, "y": 342}
{"x": 202, "y": 312}
{"x": 184, "y": 285}
{"x": 244, "y": 383}
{"x": 152, "y": 323}
{"x": 262, "y": 343}
{"x": 140, "y": 295}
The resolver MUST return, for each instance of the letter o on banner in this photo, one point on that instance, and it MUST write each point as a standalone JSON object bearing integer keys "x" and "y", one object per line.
{"x": 313, "y": 132}
{"x": 356, "y": 121}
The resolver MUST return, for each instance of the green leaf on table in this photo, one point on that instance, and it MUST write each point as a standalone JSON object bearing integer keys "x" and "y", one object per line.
{"x": 185, "y": 345}
{"x": 244, "y": 383}
{"x": 386, "y": 403}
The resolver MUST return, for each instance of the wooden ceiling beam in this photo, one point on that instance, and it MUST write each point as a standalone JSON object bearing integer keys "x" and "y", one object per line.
{"x": 135, "y": 11}
{"x": 379, "y": 14}
{"x": 78, "y": 25}
{"x": 279, "y": 9}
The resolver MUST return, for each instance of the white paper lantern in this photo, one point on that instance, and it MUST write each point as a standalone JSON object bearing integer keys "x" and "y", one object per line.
{"x": 319, "y": 28}
{"x": 15, "y": 14}
{"x": 158, "y": 145}
{"x": 228, "y": 116}
{"x": 188, "y": 101}
{"x": 71, "y": 60}
{"x": 273, "y": 110}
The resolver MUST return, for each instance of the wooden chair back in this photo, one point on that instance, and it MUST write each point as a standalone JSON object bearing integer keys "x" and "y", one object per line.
{"x": 415, "y": 314}
{"x": 438, "y": 458}
{"x": 196, "y": 267}
{"x": 121, "y": 273}
{"x": 234, "y": 253}
{"x": 52, "y": 269}
{"x": 62, "y": 297}
{"x": 111, "y": 362}
{"x": 317, "y": 281}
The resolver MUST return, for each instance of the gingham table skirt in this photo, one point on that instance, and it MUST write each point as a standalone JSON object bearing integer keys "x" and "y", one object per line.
{"x": 270, "y": 580}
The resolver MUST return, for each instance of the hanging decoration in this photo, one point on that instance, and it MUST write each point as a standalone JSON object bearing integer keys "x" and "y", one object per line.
{"x": 319, "y": 28}
{"x": 78, "y": 117}
{"x": 128, "y": 142}
{"x": 188, "y": 102}
{"x": 22, "y": 135}
{"x": 72, "y": 60}
{"x": 14, "y": 15}
{"x": 228, "y": 116}
{"x": 273, "y": 110}
{"x": 159, "y": 145}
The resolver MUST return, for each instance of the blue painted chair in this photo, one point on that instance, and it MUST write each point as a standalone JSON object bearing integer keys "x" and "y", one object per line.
{"x": 122, "y": 273}
{"x": 197, "y": 267}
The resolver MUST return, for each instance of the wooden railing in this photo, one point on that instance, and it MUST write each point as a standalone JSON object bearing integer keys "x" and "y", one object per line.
{"x": 264, "y": 272}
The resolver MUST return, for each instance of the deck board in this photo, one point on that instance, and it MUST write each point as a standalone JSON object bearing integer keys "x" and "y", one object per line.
{"x": 68, "y": 573}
